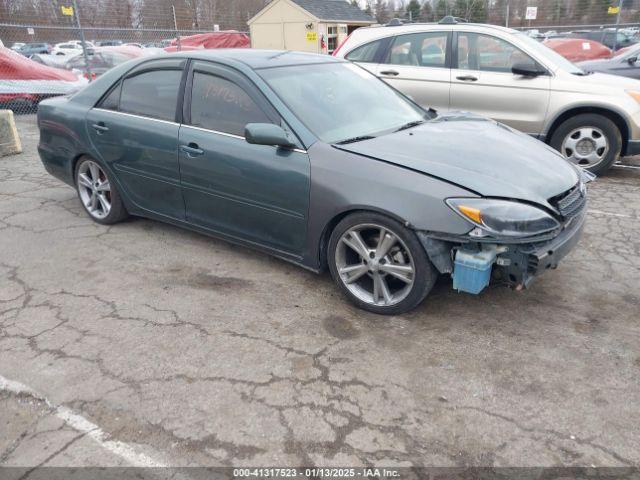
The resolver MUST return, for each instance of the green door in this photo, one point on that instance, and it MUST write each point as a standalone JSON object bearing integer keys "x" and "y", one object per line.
{"x": 256, "y": 193}
{"x": 134, "y": 131}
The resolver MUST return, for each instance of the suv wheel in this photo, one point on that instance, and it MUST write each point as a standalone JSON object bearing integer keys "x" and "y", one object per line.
{"x": 379, "y": 264}
{"x": 592, "y": 141}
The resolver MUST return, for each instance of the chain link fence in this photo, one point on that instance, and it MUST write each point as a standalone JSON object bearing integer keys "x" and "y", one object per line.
{"x": 45, "y": 57}
{"x": 41, "y": 61}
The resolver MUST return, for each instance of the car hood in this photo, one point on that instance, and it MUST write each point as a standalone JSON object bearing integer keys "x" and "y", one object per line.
{"x": 478, "y": 154}
{"x": 595, "y": 64}
{"x": 608, "y": 81}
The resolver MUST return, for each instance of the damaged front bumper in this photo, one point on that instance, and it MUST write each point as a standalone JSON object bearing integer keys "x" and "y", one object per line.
{"x": 472, "y": 262}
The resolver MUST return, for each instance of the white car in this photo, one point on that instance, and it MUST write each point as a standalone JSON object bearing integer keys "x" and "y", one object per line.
{"x": 69, "y": 48}
{"x": 592, "y": 119}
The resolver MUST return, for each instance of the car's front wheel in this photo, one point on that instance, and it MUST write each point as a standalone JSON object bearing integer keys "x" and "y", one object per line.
{"x": 379, "y": 264}
{"x": 592, "y": 141}
{"x": 98, "y": 194}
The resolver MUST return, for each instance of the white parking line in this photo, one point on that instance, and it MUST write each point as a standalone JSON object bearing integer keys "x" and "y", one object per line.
{"x": 612, "y": 214}
{"x": 632, "y": 167}
{"x": 82, "y": 425}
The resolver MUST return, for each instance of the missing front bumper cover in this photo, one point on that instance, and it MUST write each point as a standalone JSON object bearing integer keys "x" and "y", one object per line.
{"x": 515, "y": 264}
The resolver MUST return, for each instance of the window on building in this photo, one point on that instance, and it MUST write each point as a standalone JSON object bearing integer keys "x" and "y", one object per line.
{"x": 419, "y": 49}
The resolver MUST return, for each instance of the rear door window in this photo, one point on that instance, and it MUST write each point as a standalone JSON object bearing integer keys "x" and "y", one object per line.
{"x": 426, "y": 49}
{"x": 151, "y": 94}
{"x": 221, "y": 105}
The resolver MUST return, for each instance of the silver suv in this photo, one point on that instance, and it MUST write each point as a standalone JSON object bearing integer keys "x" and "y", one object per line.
{"x": 592, "y": 118}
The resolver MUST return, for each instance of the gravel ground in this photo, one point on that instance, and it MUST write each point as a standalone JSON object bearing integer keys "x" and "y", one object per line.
{"x": 145, "y": 344}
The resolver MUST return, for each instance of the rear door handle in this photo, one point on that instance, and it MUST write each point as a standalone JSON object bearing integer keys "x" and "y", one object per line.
{"x": 100, "y": 127}
{"x": 393, "y": 73}
{"x": 467, "y": 78}
{"x": 192, "y": 150}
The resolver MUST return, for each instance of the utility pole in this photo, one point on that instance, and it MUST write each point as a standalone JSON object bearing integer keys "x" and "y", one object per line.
{"x": 506, "y": 18}
{"x": 82, "y": 39}
{"x": 615, "y": 39}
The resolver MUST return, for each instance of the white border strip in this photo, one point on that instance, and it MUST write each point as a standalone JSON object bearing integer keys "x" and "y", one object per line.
{"x": 82, "y": 425}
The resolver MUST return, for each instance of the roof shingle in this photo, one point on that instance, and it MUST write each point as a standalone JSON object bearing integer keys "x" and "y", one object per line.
{"x": 334, "y": 10}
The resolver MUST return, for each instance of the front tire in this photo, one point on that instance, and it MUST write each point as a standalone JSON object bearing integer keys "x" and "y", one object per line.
{"x": 97, "y": 193}
{"x": 592, "y": 141}
{"x": 379, "y": 264}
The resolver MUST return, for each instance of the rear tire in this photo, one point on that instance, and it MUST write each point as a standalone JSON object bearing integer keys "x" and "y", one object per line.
{"x": 590, "y": 140}
{"x": 378, "y": 264}
{"x": 97, "y": 192}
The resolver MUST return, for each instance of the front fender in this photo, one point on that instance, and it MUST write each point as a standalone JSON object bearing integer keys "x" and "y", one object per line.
{"x": 342, "y": 182}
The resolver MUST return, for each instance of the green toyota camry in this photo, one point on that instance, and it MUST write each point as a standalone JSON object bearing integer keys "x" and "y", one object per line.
{"x": 314, "y": 160}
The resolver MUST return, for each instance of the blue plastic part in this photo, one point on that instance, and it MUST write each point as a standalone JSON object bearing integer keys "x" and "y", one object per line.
{"x": 472, "y": 270}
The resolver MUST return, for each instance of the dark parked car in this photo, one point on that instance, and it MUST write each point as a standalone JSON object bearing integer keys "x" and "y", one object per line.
{"x": 318, "y": 162}
{"x": 605, "y": 37}
{"x": 29, "y": 49}
{"x": 625, "y": 64}
{"x": 108, "y": 43}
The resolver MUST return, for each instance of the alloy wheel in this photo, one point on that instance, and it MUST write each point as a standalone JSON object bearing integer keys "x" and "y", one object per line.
{"x": 585, "y": 146}
{"x": 375, "y": 265}
{"x": 94, "y": 189}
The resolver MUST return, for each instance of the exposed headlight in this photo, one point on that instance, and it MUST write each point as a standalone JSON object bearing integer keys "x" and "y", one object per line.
{"x": 503, "y": 217}
{"x": 635, "y": 94}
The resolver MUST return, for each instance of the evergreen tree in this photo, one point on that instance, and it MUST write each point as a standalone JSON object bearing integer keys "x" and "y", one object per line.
{"x": 413, "y": 10}
{"x": 442, "y": 9}
{"x": 426, "y": 13}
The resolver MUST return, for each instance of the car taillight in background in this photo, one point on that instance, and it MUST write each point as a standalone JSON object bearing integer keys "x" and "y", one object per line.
{"x": 90, "y": 78}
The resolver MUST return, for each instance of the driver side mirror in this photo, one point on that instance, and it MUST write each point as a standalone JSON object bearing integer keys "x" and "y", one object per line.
{"x": 267, "y": 134}
{"x": 632, "y": 60}
{"x": 527, "y": 70}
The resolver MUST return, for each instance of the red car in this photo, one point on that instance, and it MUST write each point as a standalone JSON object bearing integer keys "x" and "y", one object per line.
{"x": 23, "y": 82}
{"x": 225, "y": 39}
{"x": 578, "y": 49}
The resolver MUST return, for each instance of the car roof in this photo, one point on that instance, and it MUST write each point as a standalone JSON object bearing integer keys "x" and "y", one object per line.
{"x": 257, "y": 59}
{"x": 411, "y": 27}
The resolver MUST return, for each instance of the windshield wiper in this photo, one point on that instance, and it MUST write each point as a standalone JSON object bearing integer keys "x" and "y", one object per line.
{"x": 415, "y": 123}
{"x": 355, "y": 139}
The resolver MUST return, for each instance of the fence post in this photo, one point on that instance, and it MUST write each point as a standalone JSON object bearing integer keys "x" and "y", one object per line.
{"x": 175, "y": 25}
{"x": 615, "y": 39}
{"x": 506, "y": 18}
{"x": 82, "y": 40}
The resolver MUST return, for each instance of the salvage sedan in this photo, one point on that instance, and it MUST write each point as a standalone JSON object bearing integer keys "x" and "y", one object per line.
{"x": 316, "y": 161}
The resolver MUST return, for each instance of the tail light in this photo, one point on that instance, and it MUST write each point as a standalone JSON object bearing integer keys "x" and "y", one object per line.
{"x": 90, "y": 78}
{"x": 335, "y": 52}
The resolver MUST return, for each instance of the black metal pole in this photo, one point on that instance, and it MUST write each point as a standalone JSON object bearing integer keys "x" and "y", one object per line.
{"x": 82, "y": 40}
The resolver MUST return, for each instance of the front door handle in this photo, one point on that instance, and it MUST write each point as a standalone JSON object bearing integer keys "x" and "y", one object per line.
{"x": 192, "y": 150}
{"x": 393, "y": 73}
{"x": 467, "y": 78}
{"x": 100, "y": 128}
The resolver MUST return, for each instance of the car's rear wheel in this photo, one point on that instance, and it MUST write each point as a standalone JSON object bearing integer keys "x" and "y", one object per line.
{"x": 98, "y": 194}
{"x": 379, "y": 264}
{"x": 592, "y": 141}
